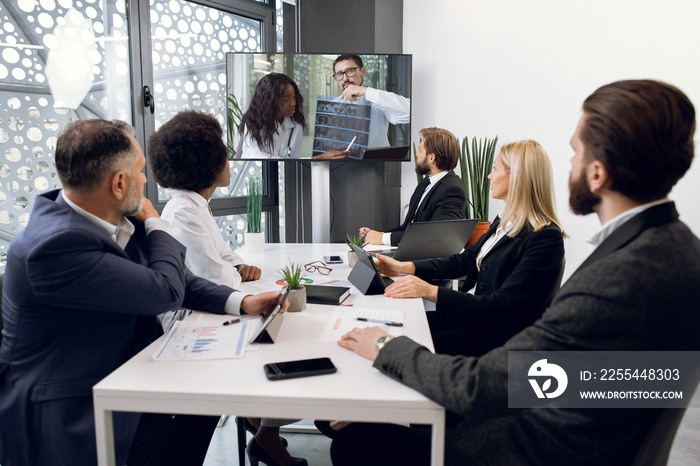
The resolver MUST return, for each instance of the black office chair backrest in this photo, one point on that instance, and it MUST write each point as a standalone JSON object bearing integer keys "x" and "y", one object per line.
{"x": 656, "y": 445}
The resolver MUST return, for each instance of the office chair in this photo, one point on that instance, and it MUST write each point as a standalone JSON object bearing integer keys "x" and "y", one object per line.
{"x": 656, "y": 445}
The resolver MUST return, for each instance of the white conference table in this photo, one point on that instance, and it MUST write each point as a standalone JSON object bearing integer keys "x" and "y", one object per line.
{"x": 357, "y": 392}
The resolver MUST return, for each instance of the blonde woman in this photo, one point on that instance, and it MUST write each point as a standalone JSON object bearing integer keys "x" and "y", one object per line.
{"x": 511, "y": 272}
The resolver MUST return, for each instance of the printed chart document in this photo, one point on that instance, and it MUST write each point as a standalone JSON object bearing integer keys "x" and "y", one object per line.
{"x": 196, "y": 340}
{"x": 344, "y": 319}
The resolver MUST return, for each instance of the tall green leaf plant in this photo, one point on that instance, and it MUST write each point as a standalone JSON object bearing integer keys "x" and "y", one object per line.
{"x": 476, "y": 164}
{"x": 234, "y": 115}
{"x": 254, "y": 205}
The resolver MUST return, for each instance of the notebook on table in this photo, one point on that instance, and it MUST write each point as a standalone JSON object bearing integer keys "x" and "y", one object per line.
{"x": 325, "y": 294}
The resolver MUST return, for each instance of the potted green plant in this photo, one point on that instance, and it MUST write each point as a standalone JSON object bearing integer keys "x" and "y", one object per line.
{"x": 475, "y": 165}
{"x": 358, "y": 240}
{"x": 234, "y": 115}
{"x": 254, "y": 237}
{"x": 293, "y": 275}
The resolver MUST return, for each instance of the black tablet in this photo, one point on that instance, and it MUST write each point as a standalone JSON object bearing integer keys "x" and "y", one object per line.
{"x": 365, "y": 274}
{"x": 261, "y": 334}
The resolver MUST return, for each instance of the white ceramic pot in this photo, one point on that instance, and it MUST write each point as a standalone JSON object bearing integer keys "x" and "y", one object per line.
{"x": 254, "y": 242}
{"x": 297, "y": 299}
{"x": 352, "y": 258}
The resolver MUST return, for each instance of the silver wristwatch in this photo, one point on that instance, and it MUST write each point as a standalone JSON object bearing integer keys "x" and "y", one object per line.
{"x": 381, "y": 341}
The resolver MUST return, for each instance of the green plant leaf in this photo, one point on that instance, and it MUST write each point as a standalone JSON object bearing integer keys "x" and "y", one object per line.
{"x": 234, "y": 115}
{"x": 254, "y": 205}
{"x": 293, "y": 275}
{"x": 476, "y": 161}
{"x": 358, "y": 240}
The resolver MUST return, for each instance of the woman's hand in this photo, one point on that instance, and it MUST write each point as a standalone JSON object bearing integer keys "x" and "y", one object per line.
{"x": 363, "y": 341}
{"x": 411, "y": 287}
{"x": 249, "y": 273}
{"x": 391, "y": 267}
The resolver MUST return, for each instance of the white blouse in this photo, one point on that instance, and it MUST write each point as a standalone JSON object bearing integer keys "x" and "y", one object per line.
{"x": 286, "y": 143}
{"x": 208, "y": 256}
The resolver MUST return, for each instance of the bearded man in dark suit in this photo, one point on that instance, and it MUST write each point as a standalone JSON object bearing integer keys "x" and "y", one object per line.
{"x": 439, "y": 196}
{"x": 638, "y": 291}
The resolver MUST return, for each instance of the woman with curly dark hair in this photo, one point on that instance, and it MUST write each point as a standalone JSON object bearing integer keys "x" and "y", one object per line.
{"x": 273, "y": 125}
{"x": 190, "y": 160}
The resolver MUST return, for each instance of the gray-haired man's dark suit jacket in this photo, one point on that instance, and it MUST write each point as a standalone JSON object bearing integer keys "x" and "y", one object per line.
{"x": 76, "y": 307}
{"x": 639, "y": 290}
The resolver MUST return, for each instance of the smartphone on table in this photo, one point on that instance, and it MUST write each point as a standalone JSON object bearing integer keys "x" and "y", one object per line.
{"x": 332, "y": 259}
{"x": 300, "y": 368}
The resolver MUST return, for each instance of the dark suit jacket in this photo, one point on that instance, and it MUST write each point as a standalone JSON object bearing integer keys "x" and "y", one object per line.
{"x": 76, "y": 307}
{"x": 446, "y": 200}
{"x": 517, "y": 279}
{"x": 638, "y": 291}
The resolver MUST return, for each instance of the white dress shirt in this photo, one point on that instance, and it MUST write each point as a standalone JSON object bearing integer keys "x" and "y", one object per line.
{"x": 614, "y": 223}
{"x": 122, "y": 231}
{"x": 208, "y": 255}
{"x": 387, "y": 107}
{"x": 386, "y": 237}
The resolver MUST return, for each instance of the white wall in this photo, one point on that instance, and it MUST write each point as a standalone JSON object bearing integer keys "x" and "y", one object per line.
{"x": 521, "y": 69}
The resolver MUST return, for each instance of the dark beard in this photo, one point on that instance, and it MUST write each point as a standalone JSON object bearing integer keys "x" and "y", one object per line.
{"x": 581, "y": 199}
{"x": 422, "y": 169}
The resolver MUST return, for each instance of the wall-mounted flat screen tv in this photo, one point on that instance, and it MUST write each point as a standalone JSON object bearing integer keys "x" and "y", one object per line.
{"x": 300, "y": 106}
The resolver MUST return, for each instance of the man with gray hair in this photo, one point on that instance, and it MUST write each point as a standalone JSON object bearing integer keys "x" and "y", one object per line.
{"x": 82, "y": 289}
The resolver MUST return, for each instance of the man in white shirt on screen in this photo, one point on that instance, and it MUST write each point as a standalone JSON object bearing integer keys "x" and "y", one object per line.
{"x": 387, "y": 107}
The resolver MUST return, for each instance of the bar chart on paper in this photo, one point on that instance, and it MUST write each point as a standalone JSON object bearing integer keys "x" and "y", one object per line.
{"x": 207, "y": 336}
{"x": 192, "y": 340}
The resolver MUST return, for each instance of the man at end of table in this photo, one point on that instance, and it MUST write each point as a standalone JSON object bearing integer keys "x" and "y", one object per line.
{"x": 440, "y": 196}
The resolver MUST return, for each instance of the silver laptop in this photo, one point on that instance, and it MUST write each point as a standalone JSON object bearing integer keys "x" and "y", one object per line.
{"x": 430, "y": 240}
